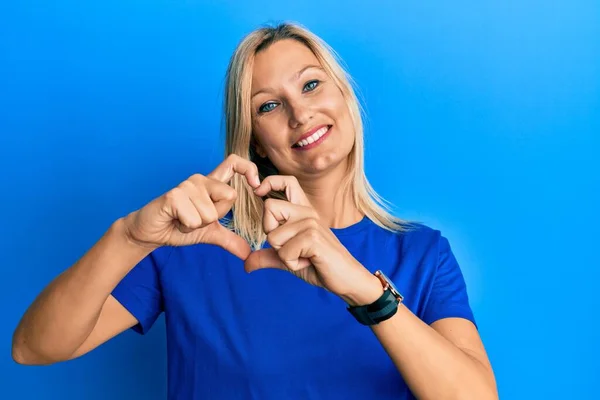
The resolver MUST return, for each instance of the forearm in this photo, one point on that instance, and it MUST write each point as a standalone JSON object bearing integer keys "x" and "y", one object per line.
{"x": 64, "y": 314}
{"x": 433, "y": 367}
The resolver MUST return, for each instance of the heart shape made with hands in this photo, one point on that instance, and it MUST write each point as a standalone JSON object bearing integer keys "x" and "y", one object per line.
{"x": 293, "y": 214}
{"x": 302, "y": 245}
{"x": 299, "y": 242}
{"x": 296, "y": 213}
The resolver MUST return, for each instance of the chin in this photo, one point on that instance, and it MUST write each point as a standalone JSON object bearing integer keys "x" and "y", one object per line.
{"x": 326, "y": 163}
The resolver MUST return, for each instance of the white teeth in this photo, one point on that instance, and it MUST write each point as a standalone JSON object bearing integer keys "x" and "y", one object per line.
{"x": 314, "y": 137}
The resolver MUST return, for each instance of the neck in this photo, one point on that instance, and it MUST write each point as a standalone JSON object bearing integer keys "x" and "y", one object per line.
{"x": 336, "y": 208}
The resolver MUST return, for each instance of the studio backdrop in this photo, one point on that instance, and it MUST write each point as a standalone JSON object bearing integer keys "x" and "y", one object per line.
{"x": 482, "y": 120}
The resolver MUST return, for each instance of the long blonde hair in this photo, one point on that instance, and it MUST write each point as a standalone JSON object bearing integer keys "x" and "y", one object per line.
{"x": 248, "y": 208}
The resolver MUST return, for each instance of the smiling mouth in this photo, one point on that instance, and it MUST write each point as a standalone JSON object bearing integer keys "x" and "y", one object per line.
{"x": 312, "y": 138}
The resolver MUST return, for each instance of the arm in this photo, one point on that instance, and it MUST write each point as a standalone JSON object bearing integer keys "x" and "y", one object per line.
{"x": 449, "y": 353}
{"x": 76, "y": 312}
{"x": 446, "y": 360}
{"x": 439, "y": 354}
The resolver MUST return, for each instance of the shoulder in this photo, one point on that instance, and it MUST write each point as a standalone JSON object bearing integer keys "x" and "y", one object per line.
{"x": 419, "y": 245}
{"x": 419, "y": 237}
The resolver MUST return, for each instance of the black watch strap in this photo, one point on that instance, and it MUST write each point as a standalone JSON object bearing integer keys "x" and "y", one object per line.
{"x": 383, "y": 308}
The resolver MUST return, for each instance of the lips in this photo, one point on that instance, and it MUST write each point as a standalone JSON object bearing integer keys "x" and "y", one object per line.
{"x": 311, "y": 136}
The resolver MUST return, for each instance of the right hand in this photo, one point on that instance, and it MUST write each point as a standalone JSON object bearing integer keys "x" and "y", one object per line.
{"x": 188, "y": 214}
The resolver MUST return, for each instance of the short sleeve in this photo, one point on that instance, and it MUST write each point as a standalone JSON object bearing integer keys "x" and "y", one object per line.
{"x": 140, "y": 290}
{"x": 448, "y": 297}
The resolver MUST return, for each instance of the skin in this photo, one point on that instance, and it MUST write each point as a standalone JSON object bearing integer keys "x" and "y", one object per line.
{"x": 76, "y": 312}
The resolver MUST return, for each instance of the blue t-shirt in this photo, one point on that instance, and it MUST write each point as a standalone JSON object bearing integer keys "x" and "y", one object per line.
{"x": 269, "y": 335}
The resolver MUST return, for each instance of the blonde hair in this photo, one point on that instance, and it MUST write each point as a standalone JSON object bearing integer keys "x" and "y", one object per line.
{"x": 248, "y": 208}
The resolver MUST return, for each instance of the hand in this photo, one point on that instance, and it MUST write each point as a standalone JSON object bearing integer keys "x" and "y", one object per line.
{"x": 302, "y": 245}
{"x": 188, "y": 214}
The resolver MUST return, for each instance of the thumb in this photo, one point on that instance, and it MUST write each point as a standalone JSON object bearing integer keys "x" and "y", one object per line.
{"x": 268, "y": 258}
{"x": 229, "y": 241}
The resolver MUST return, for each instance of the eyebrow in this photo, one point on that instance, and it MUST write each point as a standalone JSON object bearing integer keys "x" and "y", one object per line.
{"x": 299, "y": 73}
{"x": 296, "y": 76}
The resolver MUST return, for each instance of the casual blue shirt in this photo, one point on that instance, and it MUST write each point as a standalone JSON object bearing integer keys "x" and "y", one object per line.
{"x": 270, "y": 335}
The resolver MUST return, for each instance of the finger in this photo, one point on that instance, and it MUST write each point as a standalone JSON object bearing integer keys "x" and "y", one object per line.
{"x": 235, "y": 164}
{"x": 277, "y": 212}
{"x": 268, "y": 258}
{"x": 222, "y": 195}
{"x": 301, "y": 246}
{"x": 287, "y": 183}
{"x": 204, "y": 205}
{"x": 284, "y": 233}
{"x": 229, "y": 241}
{"x": 179, "y": 207}
{"x": 263, "y": 258}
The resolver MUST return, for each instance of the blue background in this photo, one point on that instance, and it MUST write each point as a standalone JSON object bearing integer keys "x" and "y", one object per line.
{"x": 483, "y": 121}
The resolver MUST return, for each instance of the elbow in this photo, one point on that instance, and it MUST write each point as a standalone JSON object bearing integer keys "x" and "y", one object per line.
{"x": 22, "y": 355}
{"x": 17, "y": 355}
{"x": 18, "y": 351}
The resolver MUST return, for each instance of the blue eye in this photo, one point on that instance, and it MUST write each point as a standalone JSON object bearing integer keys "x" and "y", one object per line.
{"x": 266, "y": 107}
{"x": 311, "y": 85}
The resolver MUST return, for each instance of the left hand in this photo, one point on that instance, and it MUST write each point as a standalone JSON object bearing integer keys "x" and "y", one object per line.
{"x": 302, "y": 245}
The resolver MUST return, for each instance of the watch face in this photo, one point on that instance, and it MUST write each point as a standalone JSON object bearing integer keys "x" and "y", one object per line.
{"x": 392, "y": 286}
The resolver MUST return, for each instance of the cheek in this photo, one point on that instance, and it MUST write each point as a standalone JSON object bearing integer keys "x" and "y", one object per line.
{"x": 261, "y": 130}
{"x": 269, "y": 134}
{"x": 335, "y": 105}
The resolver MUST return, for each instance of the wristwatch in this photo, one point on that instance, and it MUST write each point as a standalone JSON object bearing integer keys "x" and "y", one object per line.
{"x": 381, "y": 309}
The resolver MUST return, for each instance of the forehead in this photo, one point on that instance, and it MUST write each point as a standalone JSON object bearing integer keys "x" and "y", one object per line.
{"x": 280, "y": 61}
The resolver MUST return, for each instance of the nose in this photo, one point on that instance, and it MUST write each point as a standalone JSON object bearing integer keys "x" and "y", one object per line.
{"x": 299, "y": 113}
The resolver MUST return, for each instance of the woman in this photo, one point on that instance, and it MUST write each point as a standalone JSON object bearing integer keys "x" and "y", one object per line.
{"x": 291, "y": 205}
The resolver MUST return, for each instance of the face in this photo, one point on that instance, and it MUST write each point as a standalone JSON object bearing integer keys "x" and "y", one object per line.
{"x": 299, "y": 116}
